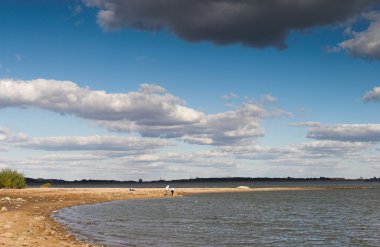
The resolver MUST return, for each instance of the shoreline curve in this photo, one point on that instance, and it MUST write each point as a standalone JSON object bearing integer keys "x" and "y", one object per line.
{"x": 25, "y": 214}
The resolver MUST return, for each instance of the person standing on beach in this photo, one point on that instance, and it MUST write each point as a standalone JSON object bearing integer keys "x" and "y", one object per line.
{"x": 167, "y": 190}
{"x": 172, "y": 191}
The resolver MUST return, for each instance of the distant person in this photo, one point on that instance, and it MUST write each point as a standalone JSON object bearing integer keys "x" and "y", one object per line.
{"x": 172, "y": 191}
{"x": 167, "y": 190}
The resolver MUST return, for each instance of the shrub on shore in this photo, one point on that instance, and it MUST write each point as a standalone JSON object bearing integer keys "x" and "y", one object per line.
{"x": 46, "y": 185}
{"x": 11, "y": 179}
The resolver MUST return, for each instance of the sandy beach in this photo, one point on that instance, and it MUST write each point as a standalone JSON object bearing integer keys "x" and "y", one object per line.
{"x": 25, "y": 214}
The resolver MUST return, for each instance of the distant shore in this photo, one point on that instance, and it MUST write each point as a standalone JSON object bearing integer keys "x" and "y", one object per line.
{"x": 191, "y": 182}
{"x": 25, "y": 214}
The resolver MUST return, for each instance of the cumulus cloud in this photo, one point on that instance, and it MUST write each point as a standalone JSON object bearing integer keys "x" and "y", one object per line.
{"x": 252, "y": 23}
{"x": 231, "y": 127}
{"x": 151, "y": 104}
{"x": 346, "y": 132}
{"x": 373, "y": 95}
{"x": 366, "y": 43}
{"x": 152, "y": 112}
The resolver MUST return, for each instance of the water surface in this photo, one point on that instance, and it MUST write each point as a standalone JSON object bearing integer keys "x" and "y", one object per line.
{"x": 276, "y": 218}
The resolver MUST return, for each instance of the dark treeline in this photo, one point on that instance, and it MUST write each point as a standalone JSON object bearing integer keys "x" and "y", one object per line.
{"x": 38, "y": 181}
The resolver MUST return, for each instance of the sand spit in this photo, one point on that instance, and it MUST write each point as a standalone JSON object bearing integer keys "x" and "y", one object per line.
{"x": 25, "y": 214}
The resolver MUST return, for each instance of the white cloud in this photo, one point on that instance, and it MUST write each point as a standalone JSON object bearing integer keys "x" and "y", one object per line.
{"x": 256, "y": 152}
{"x": 200, "y": 139}
{"x": 346, "y": 132}
{"x": 365, "y": 44}
{"x": 330, "y": 149}
{"x": 72, "y": 157}
{"x": 302, "y": 152}
{"x": 373, "y": 95}
{"x": 152, "y": 112}
{"x": 152, "y": 89}
{"x": 105, "y": 143}
{"x": 7, "y": 135}
{"x": 105, "y": 146}
{"x": 210, "y": 159}
{"x": 146, "y": 165}
{"x": 237, "y": 126}
{"x": 68, "y": 98}
{"x": 96, "y": 155}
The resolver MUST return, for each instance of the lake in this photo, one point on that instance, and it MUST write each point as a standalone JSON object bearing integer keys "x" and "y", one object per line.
{"x": 276, "y": 218}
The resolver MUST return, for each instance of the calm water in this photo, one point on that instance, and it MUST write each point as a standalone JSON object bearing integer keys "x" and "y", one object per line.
{"x": 287, "y": 218}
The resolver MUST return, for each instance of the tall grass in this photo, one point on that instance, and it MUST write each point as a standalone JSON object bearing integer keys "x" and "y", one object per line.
{"x": 11, "y": 179}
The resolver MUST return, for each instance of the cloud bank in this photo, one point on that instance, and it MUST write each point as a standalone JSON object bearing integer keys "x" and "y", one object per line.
{"x": 231, "y": 127}
{"x": 108, "y": 143}
{"x": 151, "y": 112}
{"x": 301, "y": 152}
{"x": 104, "y": 145}
{"x": 253, "y": 23}
{"x": 346, "y": 132}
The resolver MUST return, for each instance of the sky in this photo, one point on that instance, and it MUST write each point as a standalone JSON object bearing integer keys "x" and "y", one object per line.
{"x": 154, "y": 89}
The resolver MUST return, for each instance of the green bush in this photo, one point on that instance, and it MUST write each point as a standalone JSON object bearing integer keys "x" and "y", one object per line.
{"x": 11, "y": 179}
{"x": 46, "y": 185}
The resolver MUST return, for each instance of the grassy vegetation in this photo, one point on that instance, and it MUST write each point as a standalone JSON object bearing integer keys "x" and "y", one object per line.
{"x": 46, "y": 185}
{"x": 11, "y": 179}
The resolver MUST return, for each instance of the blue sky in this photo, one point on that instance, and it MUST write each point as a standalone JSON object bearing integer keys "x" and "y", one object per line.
{"x": 128, "y": 90}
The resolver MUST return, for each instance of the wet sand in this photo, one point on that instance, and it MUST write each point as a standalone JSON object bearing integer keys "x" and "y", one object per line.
{"x": 25, "y": 214}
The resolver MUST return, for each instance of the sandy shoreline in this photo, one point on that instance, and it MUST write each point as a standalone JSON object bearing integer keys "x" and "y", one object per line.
{"x": 25, "y": 214}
